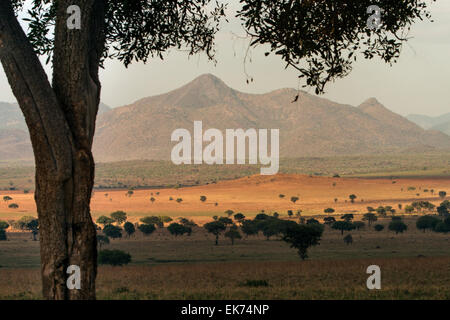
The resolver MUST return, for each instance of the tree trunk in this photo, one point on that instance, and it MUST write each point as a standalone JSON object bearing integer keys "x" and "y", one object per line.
{"x": 61, "y": 121}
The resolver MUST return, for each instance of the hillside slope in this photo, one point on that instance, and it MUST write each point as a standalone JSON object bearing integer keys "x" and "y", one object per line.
{"x": 312, "y": 126}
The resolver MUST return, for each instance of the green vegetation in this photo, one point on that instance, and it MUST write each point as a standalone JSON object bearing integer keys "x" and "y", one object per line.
{"x": 113, "y": 257}
{"x": 147, "y": 173}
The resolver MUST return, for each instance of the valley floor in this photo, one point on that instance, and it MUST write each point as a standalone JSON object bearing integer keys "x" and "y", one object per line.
{"x": 414, "y": 265}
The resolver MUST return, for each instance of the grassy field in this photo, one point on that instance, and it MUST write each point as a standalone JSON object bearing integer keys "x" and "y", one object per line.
{"x": 415, "y": 265}
{"x": 159, "y": 174}
{"x": 251, "y": 195}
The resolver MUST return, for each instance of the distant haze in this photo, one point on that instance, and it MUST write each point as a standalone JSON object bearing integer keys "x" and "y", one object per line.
{"x": 417, "y": 84}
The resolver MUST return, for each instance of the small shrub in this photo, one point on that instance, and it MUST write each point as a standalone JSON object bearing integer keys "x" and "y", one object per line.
{"x": 255, "y": 283}
{"x": 3, "y": 235}
{"x": 147, "y": 228}
{"x": 113, "y": 257}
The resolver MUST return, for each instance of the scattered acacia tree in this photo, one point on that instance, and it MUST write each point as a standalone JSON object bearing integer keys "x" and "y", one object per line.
{"x": 302, "y": 237}
{"x": 226, "y": 221}
{"x": 129, "y": 228}
{"x": 3, "y": 236}
{"x": 381, "y": 211}
{"x": 229, "y": 213}
{"x": 358, "y": 225}
{"x": 29, "y": 223}
{"x": 187, "y": 223}
{"x": 178, "y": 229}
{"x": 147, "y": 229}
{"x": 13, "y": 206}
{"x": 281, "y": 196}
{"x": 129, "y": 193}
{"x": 378, "y": 227}
{"x": 202, "y": 198}
{"x": 343, "y": 226}
{"x": 397, "y": 226}
{"x": 104, "y": 220}
{"x": 61, "y": 115}
{"x": 290, "y": 213}
{"x": 312, "y": 221}
{"x": 249, "y": 228}
{"x": 113, "y": 257}
{"x": 370, "y": 217}
{"x": 7, "y": 199}
{"x": 442, "y": 194}
{"x": 233, "y": 234}
{"x": 119, "y": 217}
{"x": 409, "y": 209}
{"x": 111, "y": 231}
{"x": 102, "y": 240}
{"x": 427, "y": 222}
{"x": 329, "y": 220}
{"x": 348, "y": 239}
{"x": 329, "y": 210}
{"x": 4, "y": 225}
{"x": 352, "y": 198}
{"x": 444, "y": 209}
{"x": 239, "y": 217}
{"x": 152, "y": 199}
{"x": 294, "y": 199}
{"x": 216, "y": 228}
{"x": 347, "y": 217}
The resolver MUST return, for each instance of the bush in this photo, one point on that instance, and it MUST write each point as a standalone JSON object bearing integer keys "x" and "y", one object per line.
{"x": 249, "y": 227}
{"x": 397, "y": 226}
{"x": 343, "y": 226}
{"x": 329, "y": 220}
{"x": 215, "y": 227}
{"x": 302, "y": 237}
{"x": 112, "y": 231}
{"x": 4, "y": 225}
{"x": 370, "y": 217}
{"x": 348, "y": 239}
{"x": 104, "y": 220}
{"x": 113, "y": 257}
{"x": 147, "y": 228}
{"x": 177, "y": 229}
{"x": 119, "y": 216}
{"x": 13, "y": 206}
{"x": 312, "y": 221}
{"x": 441, "y": 227}
{"x": 379, "y": 227}
{"x": 233, "y": 234}
{"x": 102, "y": 240}
{"x": 427, "y": 222}
{"x": 3, "y": 235}
{"x": 255, "y": 283}
{"x": 129, "y": 228}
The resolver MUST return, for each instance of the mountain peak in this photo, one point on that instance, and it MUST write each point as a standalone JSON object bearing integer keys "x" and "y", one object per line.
{"x": 370, "y": 102}
{"x": 208, "y": 81}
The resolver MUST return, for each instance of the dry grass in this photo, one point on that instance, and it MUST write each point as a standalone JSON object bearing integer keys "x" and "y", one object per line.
{"x": 250, "y": 195}
{"x": 402, "y": 278}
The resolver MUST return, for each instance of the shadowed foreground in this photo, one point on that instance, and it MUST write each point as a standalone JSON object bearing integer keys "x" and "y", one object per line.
{"x": 402, "y": 278}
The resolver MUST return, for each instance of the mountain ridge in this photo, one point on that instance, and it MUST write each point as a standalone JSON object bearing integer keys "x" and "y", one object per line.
{"x": 311, "y": 126}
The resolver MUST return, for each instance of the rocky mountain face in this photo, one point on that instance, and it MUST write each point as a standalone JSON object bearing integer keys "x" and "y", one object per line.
{"x": 311, "y": 126}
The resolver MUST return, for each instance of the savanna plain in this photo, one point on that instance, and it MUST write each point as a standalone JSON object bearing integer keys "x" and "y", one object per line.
{"x": 415, "y": 263}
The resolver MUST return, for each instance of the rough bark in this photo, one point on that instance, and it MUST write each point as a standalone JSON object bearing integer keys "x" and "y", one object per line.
{"x": 61, "y": 122}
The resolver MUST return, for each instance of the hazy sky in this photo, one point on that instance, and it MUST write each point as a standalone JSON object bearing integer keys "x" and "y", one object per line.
{"x": 418, "y": 83}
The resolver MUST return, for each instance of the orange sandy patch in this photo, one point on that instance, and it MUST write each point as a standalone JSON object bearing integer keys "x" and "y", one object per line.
{"x": 250, "y": 195}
